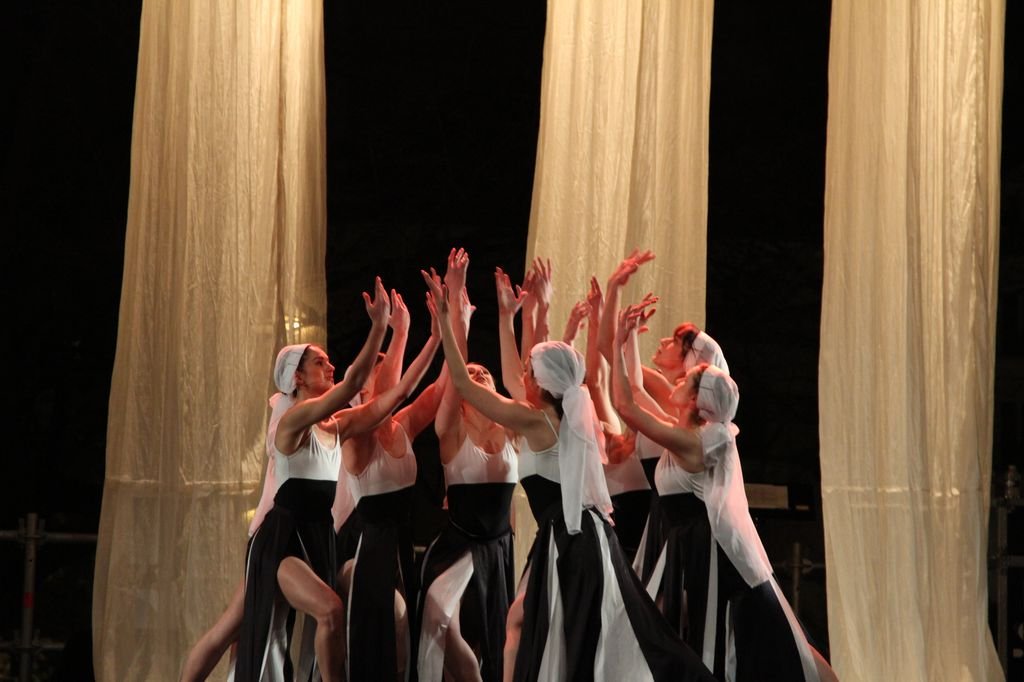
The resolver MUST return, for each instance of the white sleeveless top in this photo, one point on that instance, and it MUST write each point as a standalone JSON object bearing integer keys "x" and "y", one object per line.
{"x": 543, "y": 463}
{"x": 311, "y": 461}
{"x": 473, "y": 464}
{"x": 647, "y": 448}
{"x": 626, "y": 476}
{"x": 670, "y": 478}
{"x": 385, "y": 473}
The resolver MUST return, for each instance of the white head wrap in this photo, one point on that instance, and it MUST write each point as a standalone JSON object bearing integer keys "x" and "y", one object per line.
{"x": 559, "y": 369}
{"x": 285, "y": 366}
{"x": 724, "y": 495}
{"x": 705, "y": 349}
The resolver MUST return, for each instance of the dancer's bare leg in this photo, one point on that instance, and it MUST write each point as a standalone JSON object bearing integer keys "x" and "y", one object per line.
{"x": 401, "y": 635}
{"x": 210, "y": 648}
{"x": 459, "y": 658}
{"x": 311, "y": 595}
{"x": 513, "y": 628}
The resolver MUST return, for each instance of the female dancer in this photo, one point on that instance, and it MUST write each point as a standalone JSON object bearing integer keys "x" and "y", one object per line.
{"x": 292, "y": 554}
{"x": 379, "y": 469}
{"x": 208, "y": 650}
{"x": 583, "y": 613}
{"x": 467, "y": 576}
{"x": 746, "y": 610}
{"x": 624, "y": 472}
{"x": 686, "y": 348}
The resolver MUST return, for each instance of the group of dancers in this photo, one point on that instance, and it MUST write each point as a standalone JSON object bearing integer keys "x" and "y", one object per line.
{"x": 646, "y": 564}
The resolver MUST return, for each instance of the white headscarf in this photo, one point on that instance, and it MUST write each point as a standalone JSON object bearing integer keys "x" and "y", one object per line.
{"x": 559, "y": 369}
{"x": 705, "y": 349}
{"x": 724, "y": 495}
{"x": 285, "y": 366}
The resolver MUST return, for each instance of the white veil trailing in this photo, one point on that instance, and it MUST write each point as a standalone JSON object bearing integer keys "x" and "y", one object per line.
{"x": 284, "y": 378}
{"x": 559, "y": 369}
{"x": 726, "y": 500}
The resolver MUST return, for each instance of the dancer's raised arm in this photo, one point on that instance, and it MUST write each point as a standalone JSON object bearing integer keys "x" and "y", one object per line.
{"x": 543, "y": 290}
{"x": 597, "y": 367}
{"x": 391, "y": 366}
{"x": 363, "y": 418}
{"x": 511, "y": 414}
{"x": 618, "y": 279}
{"x": 509, "y": 302}
{"x": 682, "y": 442}
{"x": 577, "y": 315}
{"x": 304, "y": 414}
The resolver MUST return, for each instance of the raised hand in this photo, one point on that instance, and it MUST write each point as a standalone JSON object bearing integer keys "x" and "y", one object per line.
{"x": 576, "y": 316}
{"x": 629, "y": 319}
{"x": 435, "y": 291}
{"x": 595, "y": 299}
{"x": 455, "y": 275}
{"x": 399, "y": 314}
{"x": 435, "y": 324}
{"x": 543, "y": 288}
{"x": 465, "y": 306}
{"x": 379, "y": 307}
{"x": 628, "y": 266}
{"x": 508, "y": 300}
{"x": 646, "y": 310}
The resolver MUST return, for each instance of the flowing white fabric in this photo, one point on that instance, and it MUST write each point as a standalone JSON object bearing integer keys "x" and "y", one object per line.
{"x": 279, "y": 404}
{"x": 559, "y": 369}
{"x": 729, "y": 514}
{"x": 443, "y": 596}
{"x": 223, "y": 264}
{"x": 908, "y": 335}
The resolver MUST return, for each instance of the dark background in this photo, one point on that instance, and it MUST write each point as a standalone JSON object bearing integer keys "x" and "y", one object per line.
{"x": 432, "y": 122}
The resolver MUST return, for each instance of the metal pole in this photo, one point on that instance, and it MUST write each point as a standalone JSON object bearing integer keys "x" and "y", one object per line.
{"x": 797, "y": 564}
{"x": 1002, "y": 588}
{"x": 28, "y": 597}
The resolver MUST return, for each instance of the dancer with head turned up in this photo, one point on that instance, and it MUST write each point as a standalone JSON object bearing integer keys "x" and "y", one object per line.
{"x": 211, "y": 646}
{"x": 748, "y": 630}
{"x": 580, "y": 611}
{"x": 291, "y": 564}
{"x": 468, "y": 575}
{"x": 377, "y": 476}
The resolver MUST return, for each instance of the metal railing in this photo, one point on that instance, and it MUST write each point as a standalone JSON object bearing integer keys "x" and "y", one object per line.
{"x": 26, "y": 644}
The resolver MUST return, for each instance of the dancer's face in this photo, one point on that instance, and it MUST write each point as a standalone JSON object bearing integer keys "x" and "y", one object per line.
{"x": 480, "y": 375}
{"x": 316, "y": 373}
{"x": 684, "y": 395}
{"x": 669, "y": 354}
{"x": 367, "y": 391}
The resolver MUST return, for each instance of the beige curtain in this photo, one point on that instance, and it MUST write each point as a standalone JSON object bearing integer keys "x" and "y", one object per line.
{"x": 907, "y": 335}
{"x": 223, "y": 263}
{"x": 622, "y": 156}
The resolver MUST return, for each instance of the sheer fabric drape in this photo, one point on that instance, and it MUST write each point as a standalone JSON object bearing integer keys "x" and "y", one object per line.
{"x": 907, "y": 335}
{"x": 622, "y": 157}
{"x": 223, "y": 263}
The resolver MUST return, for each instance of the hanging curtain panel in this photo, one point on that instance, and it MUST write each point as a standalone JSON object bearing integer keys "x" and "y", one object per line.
{"x": 223, "y": 264}
{"x": 622, "y": 155}
{"x": 908, "y": 335}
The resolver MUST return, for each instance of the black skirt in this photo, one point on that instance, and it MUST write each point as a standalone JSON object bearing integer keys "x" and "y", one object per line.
{"x": 562, "y": 634}
{"x": 383, "y": 564}
{"x": 298, "y": 525}
{"x": 679, "y": 536}
{"x": 630, "y": 511}
{"x": 478, "y": 526}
